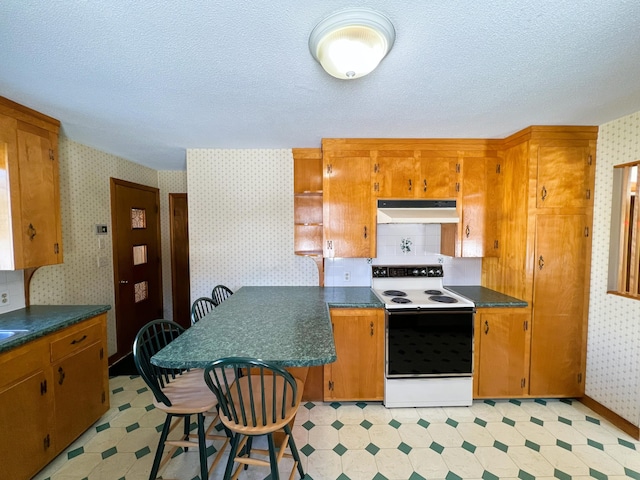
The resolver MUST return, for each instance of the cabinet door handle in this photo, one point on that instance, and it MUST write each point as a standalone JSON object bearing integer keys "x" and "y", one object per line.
{"x": 410, "y": 185}
{"x": 61, "y": 376}
{"x": 365, "y": 232}
{"x": 543, "y": 193}
{"x": 31, "y": 231}
{"x": 371, "y": 326}
{"x": 486, "y": 327}
{"x": 467, "y": 231}
{"x": 540, "y": 262}
{"x": 424, "y": 185}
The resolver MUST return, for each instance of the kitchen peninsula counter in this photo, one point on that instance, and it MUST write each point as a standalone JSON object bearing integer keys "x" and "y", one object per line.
{"x": 484, "y": 297}
{"x": 41, "y": 320}
{"x": 289, "y": 326}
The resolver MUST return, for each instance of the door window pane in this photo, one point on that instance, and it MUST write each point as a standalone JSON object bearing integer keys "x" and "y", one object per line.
{"x": 141, "y": 291}
{"x": 138, "y": 218}
{"x": 139, "y": 254}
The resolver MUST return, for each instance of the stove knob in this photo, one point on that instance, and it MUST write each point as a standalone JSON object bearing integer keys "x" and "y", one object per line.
{"x": 423, "y": 272}
{"x": 415, "y": 272}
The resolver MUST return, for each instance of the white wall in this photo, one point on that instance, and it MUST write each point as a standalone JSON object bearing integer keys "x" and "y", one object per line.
{"x": 241, "y": 220}
{"x": 613, "y": 346}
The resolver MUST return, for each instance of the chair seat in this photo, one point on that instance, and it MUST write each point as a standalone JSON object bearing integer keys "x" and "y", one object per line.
{"x": 263, "y": 425}
{"x": 187, "y": 396}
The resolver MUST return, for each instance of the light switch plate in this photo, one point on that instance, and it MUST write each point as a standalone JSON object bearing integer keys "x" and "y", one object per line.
{"x": 102, "y": 261}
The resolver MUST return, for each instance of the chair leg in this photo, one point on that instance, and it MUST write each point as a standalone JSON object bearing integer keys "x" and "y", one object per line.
{"x": 235, "y": 440}
{"x": 247, "y": 449}
{"x": 202, "y": 444}
{"x": 187, "y": 425}
{"x": 275, "y": 474}
{"x": 160, "y": 449}
{"x": 294, "y": 450}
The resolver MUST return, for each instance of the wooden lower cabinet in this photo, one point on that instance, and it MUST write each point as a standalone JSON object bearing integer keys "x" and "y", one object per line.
{"x": 358, "y": 373}
{"x": 51, "y": 391}
{"x": 501, "y": 355}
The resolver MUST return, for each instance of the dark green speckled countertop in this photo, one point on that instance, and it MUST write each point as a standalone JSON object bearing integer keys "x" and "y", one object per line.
{"x": 41, "y": 320}
{"x": 484, "y": 297}
{"x": 289, "y": 326}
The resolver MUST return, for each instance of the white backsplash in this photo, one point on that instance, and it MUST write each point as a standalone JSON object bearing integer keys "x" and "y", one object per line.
{"x": 11, "y": 283}
{"x": 403, "y": 244}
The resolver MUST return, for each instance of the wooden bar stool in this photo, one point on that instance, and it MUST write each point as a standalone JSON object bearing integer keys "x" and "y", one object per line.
{"x": 260, "y": 402}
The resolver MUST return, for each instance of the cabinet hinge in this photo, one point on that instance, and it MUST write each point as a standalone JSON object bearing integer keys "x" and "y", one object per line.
{"x": 47, "y": 442}
{"x": 580, "y": 378}
{"x": 330, "y": 384}
{"x": 104, "y": 397}
{"x": 586, "y": 231}
{"x": 376, "y": 187}
{"x": 43, "y": 387}
{"x": 523, "y": 383}
{"x": 329, "y": 169}
{"x": 588, "y": 195}
{"x": 101, "y": 353}
{"x": 495, "y": 244}
{"x": 458, "y": 187}
{"x": 52, "y": 156}
{"x": 525, "y": 325}
{"x": 590, "y": 159}
{"x": 498, "y": 168}
{"x": 376, "y": 168}
{"x": 329, "y": 244}
{"x": 457, "y": 168}
{"x": 56, "y": 248}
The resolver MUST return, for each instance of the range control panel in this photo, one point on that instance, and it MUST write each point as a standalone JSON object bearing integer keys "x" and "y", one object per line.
{"x": 402, "y": 271}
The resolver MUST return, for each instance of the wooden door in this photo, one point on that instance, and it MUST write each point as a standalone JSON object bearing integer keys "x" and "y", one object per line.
{"x": 565, "y": 176}
{"x": 502, "y": 341}
{"x": 39, "y": 197}
{"x": 348, "y": 216}
{"x": 480, "y": 192}
{"x": 559, "y": 289}
{"x": 358, "y": 373}
{"x": 136, "y": 260}
{"x": 437, "y": 175}
{"x": 180, "y": 279}
{"x": 395, "y": 174}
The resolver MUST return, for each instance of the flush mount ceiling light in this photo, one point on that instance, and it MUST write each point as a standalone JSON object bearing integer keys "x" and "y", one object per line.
{"x": 351, "y": 43}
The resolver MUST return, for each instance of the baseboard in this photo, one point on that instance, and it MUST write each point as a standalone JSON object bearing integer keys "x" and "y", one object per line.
{"x": 625, "y": 425}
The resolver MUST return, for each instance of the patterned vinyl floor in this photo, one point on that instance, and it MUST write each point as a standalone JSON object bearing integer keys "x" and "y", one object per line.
{"x": 506, "y": 439}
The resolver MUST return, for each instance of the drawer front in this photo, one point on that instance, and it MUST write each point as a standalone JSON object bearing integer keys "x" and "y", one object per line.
{"x": 22, "y": 361}
{"x": 77, "y": 338}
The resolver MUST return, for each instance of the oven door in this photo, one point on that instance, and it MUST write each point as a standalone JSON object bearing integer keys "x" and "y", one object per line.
{"x": 429, "y": 343}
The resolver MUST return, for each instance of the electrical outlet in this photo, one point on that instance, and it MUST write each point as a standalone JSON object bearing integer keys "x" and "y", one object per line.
{"x": 4, "y": 299}
{"x": 102, "y": 261}
{"x": 347, "y": 276}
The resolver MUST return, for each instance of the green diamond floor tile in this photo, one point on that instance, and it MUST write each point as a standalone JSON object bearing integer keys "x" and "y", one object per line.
{"x": 117, "y": 390}
{"x": 74, "y": 453}
{"x": 468, "y": 447}
{"x": 624, "y": 443}
{"x": 537, "y": 421}
{"x": 423, "y": 423}
{"x": 366, "y": 424}
{"x": 515, "y": 401}
{"x": 142, "y": 452}
{"x": 522, "y": 475}
{"x": 540, "y": 401}
{"x": 451, "y": 422}
{"x": 567, "y": 401}
{"x": 361, "y": 404}
{"x": 436, "y": 447}
{"x": 592, "y": 420}
{"x": 479, "y": 421}
{"x": 335, "y": 405}
{"x": 532, "y": 445}
{"x": 107, "y": 453}
{"x": 148, "y": 408}
{"x": 372, "y": 449}
{"x": 307, "y": 450}
{"x": 343, "y": 477}
{"x": 452, "y": 476}
{"x": 124, "y": 407}
{"x": 308, "y": 425}
{"x": 595, "y": 444}
{"x": 490, "y": 402}
{"x": 565, "y": 445}
{"x": 404, "y": 448}
{"x": 566, "y": 421}
{"x": 102, "y": 427}
{"x": 500, "y": 446}
{"x": 561, "y": 475}
{"x": 141, "y": 390}
{"x": 508, "y": 421}
{"x": 416, "y": 476}
{"x": 340, "y": 449}
{"x": 337, "y": 424}
{"x": 489, "y": 476}
{"x": 395, "y": 424}
{"x": 132, "y": 427}
{"x": 596, "y": 474}
{"x": 309, "y": 405}
{"x": 379, "y": 476}
{"x": 632, "y": 473}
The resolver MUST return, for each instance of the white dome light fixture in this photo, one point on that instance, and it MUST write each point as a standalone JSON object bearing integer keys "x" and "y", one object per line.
{"x": 351, "y": 43}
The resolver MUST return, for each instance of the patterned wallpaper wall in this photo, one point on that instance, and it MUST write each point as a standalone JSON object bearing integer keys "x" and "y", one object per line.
{"x": 85, "y": 200}
{"x": 613, "y": 347}
{"x": 241, "y": 220}
{"x": 168, "y": 182}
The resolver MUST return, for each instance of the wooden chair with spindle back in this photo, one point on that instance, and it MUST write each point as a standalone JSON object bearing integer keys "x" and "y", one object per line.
{"x": 220, "y": 293}
{"x": 260, "y": 402}
{"x": 200, "y": 308}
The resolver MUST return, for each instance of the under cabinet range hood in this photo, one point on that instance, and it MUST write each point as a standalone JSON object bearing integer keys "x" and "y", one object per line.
{"x": 417, "y": 211}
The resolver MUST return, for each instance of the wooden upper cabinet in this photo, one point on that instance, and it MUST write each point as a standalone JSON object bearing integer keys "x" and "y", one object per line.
{"x": 31, "y": 232}
{"x": 349, "y": 215}
{"x": 565, "y": 176}
{"x": 437, "y": 175}
{"x": 307, "y": 201}
{"x": 395, "y": 174}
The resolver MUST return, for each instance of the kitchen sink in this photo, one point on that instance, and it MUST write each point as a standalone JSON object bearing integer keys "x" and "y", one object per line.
{"x": 11, "y": 334}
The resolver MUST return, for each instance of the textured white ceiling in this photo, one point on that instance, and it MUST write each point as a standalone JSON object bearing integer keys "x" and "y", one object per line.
{"x": 148, "y": 79}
